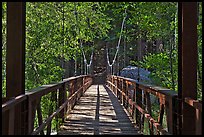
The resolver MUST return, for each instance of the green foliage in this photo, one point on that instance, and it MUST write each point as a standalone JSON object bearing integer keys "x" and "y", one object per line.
{"x": 150, "y": 19}
{"x": 159, "y": 65}
{"x": 199, "y": 27}
{"x": 47, "y": 42}
{"x": 53, "y": 30}
{"x": 3, "y": 49}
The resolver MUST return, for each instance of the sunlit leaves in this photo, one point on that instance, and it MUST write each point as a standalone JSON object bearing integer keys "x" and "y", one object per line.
{"x": 159, "y": 66}
{"x": 3, "y": 48}
{"x": 53, "y": 31}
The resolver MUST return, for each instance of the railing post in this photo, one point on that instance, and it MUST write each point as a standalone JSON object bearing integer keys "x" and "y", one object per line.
{"x": 82, "y": 85}
{"x": 134, "y": 100}
{"x": 169, "y": 114}
{"x": 172, "y": 114}
{"x": 123, "y": 92}
{"x": 143, "y": 107}
{"x": 139, "y": 103}
{"x": 161, "y": 113}
{"x": 83, "y": 81}
{"x": 122, "y": 89}
{"x": 39, "y": 113}
{"x": 62, "y": 99}
{"x": 32, "y": 105}
{"x": 52, "y": 98}
{"x": 149, "y": 110}
{"x": 115, "y": 87}
{"x": 118, "y": 86}
{"x": 112, "y": 80}
{"x": 126, "y": 95}
{"x": 75, "y": 89}
{"x": 70, "y": 92}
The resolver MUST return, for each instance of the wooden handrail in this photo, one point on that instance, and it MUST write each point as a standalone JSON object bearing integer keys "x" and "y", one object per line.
{"x": 138, "y": 102}
{"x": 13, "y": 102}
{"x": 151, "y": 88}
{"x": 32, "y": 97}
{"x": 120, "y": 87}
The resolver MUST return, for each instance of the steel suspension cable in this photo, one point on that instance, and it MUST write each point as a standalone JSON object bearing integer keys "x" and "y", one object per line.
{"x": 85, "y": 60}
{"x": 87, "y": 66}
{"x": 110, "y": 65}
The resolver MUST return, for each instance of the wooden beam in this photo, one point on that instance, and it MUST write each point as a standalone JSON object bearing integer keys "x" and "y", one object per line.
{"x": 187, "y": 47}
{"x": 15, "y": 50}
{"x": 15, "y": 56}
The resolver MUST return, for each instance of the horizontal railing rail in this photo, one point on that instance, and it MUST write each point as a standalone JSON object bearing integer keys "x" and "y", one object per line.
{"x": 69, "y": 91}
{"x": 148, "y": 103}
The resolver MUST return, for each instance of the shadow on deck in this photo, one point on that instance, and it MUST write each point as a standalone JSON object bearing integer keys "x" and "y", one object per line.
{"x": 98, "y": 112}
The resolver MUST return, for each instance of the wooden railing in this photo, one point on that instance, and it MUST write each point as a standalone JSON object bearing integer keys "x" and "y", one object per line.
{"x": 197, "y": 105}
{"x": 138, "y": 98}
{"x": 63, "y": 94}
{"x": 153, "y": 116}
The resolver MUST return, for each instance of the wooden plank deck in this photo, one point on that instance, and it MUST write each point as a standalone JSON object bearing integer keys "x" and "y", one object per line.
{"x": 98, "y": 112}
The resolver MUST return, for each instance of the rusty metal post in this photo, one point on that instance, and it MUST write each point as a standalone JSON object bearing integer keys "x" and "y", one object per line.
{"x": 187, "y": 62}
{"x": 15, "y": 58}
